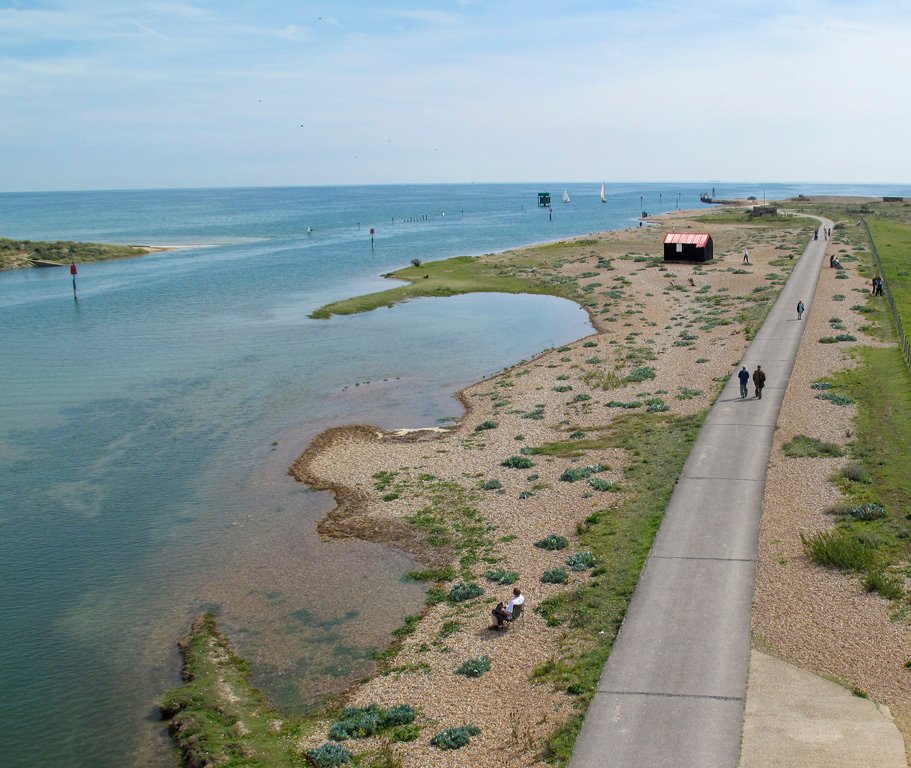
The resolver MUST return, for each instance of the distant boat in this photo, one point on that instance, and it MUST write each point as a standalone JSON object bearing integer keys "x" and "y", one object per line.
{"x": 603, "y": 194}
{"x": 45, "y": 263}
{"x": 565, "y": 196}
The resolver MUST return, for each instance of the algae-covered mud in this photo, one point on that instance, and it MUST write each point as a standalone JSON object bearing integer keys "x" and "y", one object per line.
{"x": 554, "y": 481}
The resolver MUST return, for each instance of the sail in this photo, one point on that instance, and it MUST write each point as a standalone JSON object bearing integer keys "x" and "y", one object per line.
{"x": 565, "y": 196}
{"x": 603, "y": 194}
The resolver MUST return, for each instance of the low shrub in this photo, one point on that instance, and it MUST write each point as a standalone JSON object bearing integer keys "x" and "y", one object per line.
{"x": 641, "y": 374}
{"x": 474, "y": 667}
{"x": 802, "y": 446}
{"x": 871, "y": 511}
{"x": 566, "y": 388}
{"x": 555, "y": 576}
{"x": 686, "y": 393}
{"x": 552, "y": 542}
{"x": 856, "y": 473}
{"x": 577, "y": 435}
{"x": 489, "y": 424}
{"x": 581, "y": 398}
{"x": 330, "y": 755}
{"x": 357, "y": 723}
{"x": 517, "y": 462}
{"x": 502, "y": 576}
{"x": 537, "y": 414}
{"x": 605, "y": 486}
{"x": 833, "y": 397}
{"x": 465, "y": 591}
{"x": 656, "y": 405}
{"x": 491, "y": 485}
{"x": 401, "y": 714}
{"x": 454, "y": 738}
{"x": 581, "y": 561}
{"x": 589, "y": 344}
{"x": 837, "y": 549}
{"x": 406, "y": 732}
{"x": 889, "y": 586}
{"x": 822, "y": 385}
{"x": 862, "y": 308}
{"x": 573, "y": 474}
{"x": 628, "y": 405}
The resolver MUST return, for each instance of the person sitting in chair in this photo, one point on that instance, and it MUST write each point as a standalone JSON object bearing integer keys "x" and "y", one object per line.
{"x": 505, "y": 613}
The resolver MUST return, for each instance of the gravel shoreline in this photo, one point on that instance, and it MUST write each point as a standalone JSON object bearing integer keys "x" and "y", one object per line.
{"x": 820, "y": 619}
{"x": 652, "y": 308}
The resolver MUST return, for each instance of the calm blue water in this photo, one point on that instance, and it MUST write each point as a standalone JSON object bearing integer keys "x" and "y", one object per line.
{"x": 146, "y": 431}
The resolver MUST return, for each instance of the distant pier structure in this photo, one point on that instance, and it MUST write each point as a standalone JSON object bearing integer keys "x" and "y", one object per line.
{"x": 544, "y": 199}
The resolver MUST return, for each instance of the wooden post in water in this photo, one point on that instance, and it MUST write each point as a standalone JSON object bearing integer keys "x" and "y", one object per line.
{"x": 372, "y": 233}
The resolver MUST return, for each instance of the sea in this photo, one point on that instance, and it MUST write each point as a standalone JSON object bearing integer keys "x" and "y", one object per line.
{"x": 146, "y": 429}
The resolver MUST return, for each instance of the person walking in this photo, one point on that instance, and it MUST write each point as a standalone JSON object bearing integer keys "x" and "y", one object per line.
{"x": 800, "y": 309}
{"x": 759, "y": 381}
{"x": 744, "y": 376}
{"x": 746, "y": 256}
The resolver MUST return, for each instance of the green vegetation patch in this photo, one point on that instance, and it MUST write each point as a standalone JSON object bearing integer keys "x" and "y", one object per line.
{"x": 517, "y": 462}
{"x": 454, "y": 738}
{"x": 19, "y": 253}
{"x": 641, "y": 374}
{"x": 531, "y": 270}
{"x": 574, "y": 474}
{"x": 555, "y": 576}
{"x": 363, "y": 722}
{"x": 802, "y": 446}
{"x": 236, "y": 730}
{"x": 552, "y": 542}
{"x": 465, "y": 591}
{"x": 502, "y": 576}
{"x": 474, "y": 667}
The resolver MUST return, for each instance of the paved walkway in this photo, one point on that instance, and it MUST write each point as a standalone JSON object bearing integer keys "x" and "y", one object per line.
{"x": 672, "y": 693}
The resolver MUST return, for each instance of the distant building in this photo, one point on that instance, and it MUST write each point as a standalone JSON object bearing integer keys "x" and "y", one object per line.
{"x": 689, "y": 246}
{"x": 893, "y": 199}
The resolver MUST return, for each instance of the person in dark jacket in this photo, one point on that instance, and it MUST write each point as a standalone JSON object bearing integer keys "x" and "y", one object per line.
{"x": 759, "y": 381}
{"x": 744, "y": 376}
{"x": 800, "y": 309}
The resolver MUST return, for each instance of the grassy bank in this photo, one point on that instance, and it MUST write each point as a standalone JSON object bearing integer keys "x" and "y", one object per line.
{"x": 19, "y": 253}
{"x": 218, "y": 718}
{"x": 465, "y": 274}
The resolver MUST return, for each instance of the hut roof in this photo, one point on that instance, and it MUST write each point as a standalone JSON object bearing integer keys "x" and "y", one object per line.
{"x": 699, "y": 239}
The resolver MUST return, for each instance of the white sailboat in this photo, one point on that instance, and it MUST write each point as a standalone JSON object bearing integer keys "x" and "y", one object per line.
{"x": 603, "y": 195}
{"x": 565, "y": 196}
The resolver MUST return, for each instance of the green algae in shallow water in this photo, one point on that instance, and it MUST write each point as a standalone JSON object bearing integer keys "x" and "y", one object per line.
{"x": 217, "y": 717}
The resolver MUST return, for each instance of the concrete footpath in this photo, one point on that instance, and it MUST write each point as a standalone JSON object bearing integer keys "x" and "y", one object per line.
{"x": 673, "y": 691}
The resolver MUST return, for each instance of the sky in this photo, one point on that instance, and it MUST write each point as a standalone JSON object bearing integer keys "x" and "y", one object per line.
{"x": 106, "y": 94}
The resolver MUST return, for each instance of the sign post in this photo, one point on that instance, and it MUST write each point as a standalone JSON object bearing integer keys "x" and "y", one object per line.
{"x": 73, "y": 272}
